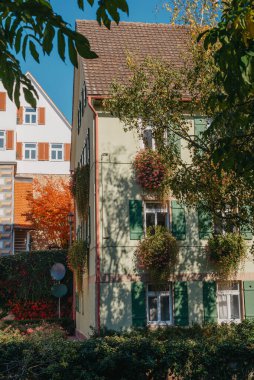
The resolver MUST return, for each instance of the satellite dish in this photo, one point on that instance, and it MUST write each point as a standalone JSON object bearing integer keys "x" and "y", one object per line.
{"x": 58, "y": 271}
{"x": 59, "y": 290}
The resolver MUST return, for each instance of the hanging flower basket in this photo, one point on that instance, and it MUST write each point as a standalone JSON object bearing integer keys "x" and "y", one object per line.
{"x": 80, "y": 190}
{"x": 158, "y": 253}
{"x": 150, "y": 170}
{"x": 78, "y": 261}
{"x": 227, "y": 252}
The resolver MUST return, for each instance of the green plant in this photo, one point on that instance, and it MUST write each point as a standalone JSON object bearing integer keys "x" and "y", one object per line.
{"x": 80, "y": 189}
{"x": 25, "y": 283}
{"x": 227, "y": 252}
{"x": 78, "y": 260}
{"x": 158, "y": 252}
{"x": 151, "y": 171}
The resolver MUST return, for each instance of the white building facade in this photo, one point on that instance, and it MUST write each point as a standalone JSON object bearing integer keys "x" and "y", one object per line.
{"x": 33, "y": 142}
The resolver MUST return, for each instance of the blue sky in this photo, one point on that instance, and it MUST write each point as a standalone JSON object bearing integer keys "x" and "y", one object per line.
{"x": 55, "y": 76}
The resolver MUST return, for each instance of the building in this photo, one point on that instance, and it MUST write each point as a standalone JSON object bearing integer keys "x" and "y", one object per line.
{"x": 116, "y": 294}
{"x": 34, "y": 142}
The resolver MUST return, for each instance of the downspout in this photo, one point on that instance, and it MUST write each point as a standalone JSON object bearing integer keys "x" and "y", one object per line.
{"x": 97, "y": 212}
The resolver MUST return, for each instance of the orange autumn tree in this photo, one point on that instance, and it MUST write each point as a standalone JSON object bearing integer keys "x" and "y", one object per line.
{"x": 50, "y": 203}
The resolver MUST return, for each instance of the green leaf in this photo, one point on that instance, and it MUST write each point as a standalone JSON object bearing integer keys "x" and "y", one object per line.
{"x": 18, "y": 37}
{"x": 83, "y": 48}
{"x": 72, "y": 52}
{"x": 48, "y": 38}
{"x": 29, "y": 97}
{"x": 24, "y": 47}
{"x": 34, "y": 51}
{"x": 61, "y": 44}
{"x": 81, "y": 4}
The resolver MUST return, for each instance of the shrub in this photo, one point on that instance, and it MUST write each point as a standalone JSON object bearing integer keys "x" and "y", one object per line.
{"x": 78, "y": 260}
{"x": 80, "y": 189}
{"x": 150, "y": 170}
{"x": 158, "y": 252}
{"x": 25, "y": 284}
{"x": 227, "y": 252}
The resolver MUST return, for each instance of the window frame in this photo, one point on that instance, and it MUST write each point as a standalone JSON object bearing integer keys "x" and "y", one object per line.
{"x": 36, "y": 152}
{"x": 156, "y": 211}
{"x": 159, "y": 294}
{"x": 30, "y": 114}
{"x": 228, "y": 293}
{"x": 56, "y": 149}
{"x": 4, "y": 140}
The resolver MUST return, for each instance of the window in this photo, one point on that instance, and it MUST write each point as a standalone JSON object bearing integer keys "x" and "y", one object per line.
{"x": 30, "y": 115}
{"x": 159, "y": 304}
{"x": 56, "y": 152}
{"x": 148, "y": 139}
{"x": 2, "y": 140}
{"x": 156, "y": 214}
{"x": 228, "y": 302}
{"x": 30, "y": 151}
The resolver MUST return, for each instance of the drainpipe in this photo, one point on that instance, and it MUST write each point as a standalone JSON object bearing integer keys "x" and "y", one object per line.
{"x": 97, "y": 212}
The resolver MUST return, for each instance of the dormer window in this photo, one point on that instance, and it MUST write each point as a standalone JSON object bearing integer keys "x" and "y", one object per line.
{"x": 30, "y": 115}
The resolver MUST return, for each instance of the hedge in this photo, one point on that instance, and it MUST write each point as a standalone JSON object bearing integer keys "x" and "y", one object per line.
{"x": 25, "y": 284}
{"x": 212, "y": 352}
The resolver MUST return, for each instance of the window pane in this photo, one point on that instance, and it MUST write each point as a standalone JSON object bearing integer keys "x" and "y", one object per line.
{"x": 57, "y": 146}
{"x": 150, "y": 219}
{"x": 1, "y": 142}
{"x": 152, "y": 309}
{"x": 30, "y": 109}
{"x": 60, "y": 155}
{"x": 223, "y": 309}
{"x": 27, "y": 119}
{"x": 27, "y": 154}
{"x": 161, "y": 219}
{"x": 30, "y": 146}
{"x": 33, "y": 154}
{"x": 33, "y": 119}
{"x": 1, "y": 133}
{"x": 234, "y": 305}
{"x": 53, "y": 154}
{"x": 165, "y": 308}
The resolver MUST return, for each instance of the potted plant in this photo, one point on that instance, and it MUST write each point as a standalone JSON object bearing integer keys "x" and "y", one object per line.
{"x": 150, "y": 170}
{"x": 227, "y": 252}
{"x": 158, "y": 253}
{"x": 78, "y": 260}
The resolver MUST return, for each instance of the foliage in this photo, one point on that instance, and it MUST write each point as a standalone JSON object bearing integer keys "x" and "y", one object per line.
{"x": 154, "y": 97}
{"x": 50, "y": 202}
{"x": 34, "y": 26}
{"x": 25, "y": 284}
{"x": 195, "y": 353}
{"x": 227, "y": 252}
{"x": 158, "y": 252}
{"x": 78, "y": 260}
{"x": 80, "y": 189}
{"x": 234, "y": 60}
{"x": 27, "y": 326}
{"x": 150, "y": 170}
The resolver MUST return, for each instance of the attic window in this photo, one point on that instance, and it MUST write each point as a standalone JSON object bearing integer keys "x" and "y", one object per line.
{"x": 30, "y": 115}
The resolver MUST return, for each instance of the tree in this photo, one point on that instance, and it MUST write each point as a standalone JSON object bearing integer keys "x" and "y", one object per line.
{"x": 234, "y": 60}
{"x": 50, "y": 202}
{"x": 33, "y": 25}
{"x": 154, "y": 95}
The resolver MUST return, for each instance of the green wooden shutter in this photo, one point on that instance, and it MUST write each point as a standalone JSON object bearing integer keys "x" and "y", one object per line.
{"x": 138, "y": 299}
{"x": 200, "y": 125}
{"x": 136, "y": 219}
{"x": 181, "y": 310}
{"x": 246, "y": 231}
{"x": 178, "y": 221}
{"x": 210, "y": 301}
{"x": 248, "y": 287}
{"x": 205, "y": 224}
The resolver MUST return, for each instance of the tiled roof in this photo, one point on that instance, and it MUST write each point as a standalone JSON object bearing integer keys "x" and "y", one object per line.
{"x": 163, "y": 41}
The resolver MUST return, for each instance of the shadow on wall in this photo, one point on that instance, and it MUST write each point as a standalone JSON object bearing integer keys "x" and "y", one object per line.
{"x": 117, "y": 187}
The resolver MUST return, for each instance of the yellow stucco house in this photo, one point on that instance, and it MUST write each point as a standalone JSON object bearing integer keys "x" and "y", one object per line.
{"x": 116, "y": 294}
